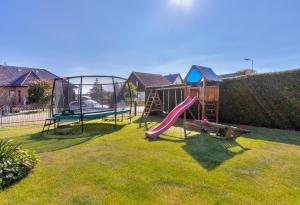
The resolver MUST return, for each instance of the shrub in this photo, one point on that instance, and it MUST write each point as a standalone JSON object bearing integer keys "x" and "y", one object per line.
{"x": 39, "y": 91}
{"x": 15, "y": 163}
{"x": 268, "y": 100}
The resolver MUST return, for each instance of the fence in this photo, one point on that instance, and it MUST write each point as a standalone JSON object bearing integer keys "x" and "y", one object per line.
{"x": 12, "y": 116}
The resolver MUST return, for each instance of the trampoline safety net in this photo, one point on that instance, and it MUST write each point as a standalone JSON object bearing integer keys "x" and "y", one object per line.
{"x": 90, "y": 94}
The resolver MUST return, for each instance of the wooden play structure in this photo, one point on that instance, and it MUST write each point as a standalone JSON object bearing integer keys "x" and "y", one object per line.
{"x": 158, "y": 100}
{"x": 221, "y": 130}
{"x": 200, "y": 88}
{"x": 204, "y": 86}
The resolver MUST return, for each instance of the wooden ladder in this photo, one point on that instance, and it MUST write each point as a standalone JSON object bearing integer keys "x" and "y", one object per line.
{"x": 211, "y": 109}
{"x": 153, "y": 104}
{"x": 47, "y": 125}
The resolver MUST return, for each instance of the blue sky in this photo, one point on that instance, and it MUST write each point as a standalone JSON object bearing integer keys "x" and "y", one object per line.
{"x": 116, "y": 37}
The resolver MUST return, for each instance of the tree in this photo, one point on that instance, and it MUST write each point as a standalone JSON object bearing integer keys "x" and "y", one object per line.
{"x": 133, "y": 90}
{"x": 39, "y": 91}
{"x": 96, "y": 92}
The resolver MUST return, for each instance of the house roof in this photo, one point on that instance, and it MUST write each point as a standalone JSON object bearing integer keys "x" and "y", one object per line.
{"x": 232, "y": 75}
{"x": 196, "y": 74}
{"x": 173, "y": 77}
{"x": 13, "y": 76}
{"x": 149, "y": 79}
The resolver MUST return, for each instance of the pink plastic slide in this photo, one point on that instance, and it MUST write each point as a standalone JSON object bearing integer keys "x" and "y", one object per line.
{"x": 171, "y": 118}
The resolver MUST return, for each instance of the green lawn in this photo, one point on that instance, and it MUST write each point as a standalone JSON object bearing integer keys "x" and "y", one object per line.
{"x": 120, "y": 167}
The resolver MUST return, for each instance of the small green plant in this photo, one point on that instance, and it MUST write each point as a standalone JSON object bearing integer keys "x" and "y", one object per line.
{"x": 15, "y": 163}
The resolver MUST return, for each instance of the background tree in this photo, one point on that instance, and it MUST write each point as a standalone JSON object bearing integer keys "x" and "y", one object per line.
{"x": 39, "y": 91}
{"x": 133, "y": 89}
{"x": 96, "y": 93}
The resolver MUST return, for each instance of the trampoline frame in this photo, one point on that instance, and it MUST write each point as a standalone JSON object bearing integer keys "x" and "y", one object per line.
{"x": 82, "y": 115}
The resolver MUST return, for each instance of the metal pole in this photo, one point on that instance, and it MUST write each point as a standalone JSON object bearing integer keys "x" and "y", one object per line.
{"x": 130, "y": 96}
{"x": 101, "y": 95}
{"x": 252, "y": 63}
{"x": 80, "y": 95}
{"x": 52, "y": 96}
{"x": 115, "y": 101}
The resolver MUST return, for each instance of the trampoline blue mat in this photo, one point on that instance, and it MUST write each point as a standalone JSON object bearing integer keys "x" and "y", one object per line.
{"x": 96, "y": 115}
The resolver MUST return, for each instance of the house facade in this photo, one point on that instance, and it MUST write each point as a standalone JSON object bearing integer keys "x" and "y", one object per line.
{"x": 174, "y": 78}
{"x": 14, "y": 83}
{"x": 144, "y": 80}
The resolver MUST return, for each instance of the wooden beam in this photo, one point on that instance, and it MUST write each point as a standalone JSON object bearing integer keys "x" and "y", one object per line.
{"x": 203, "y": 99}
{"x": 199, "y": 124}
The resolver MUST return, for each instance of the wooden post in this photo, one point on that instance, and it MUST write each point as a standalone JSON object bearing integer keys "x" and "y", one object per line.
{"x": 175, "y": 97}
{"x": 180, "y": 95}
{"x": 163, "y": 103}
{"x": 184, "y": 116}
{"x": 203, "y": 99}
{"x": 199, "y": 108}
{"x": 168, "y": 101}
{"x": 217, "y": 111}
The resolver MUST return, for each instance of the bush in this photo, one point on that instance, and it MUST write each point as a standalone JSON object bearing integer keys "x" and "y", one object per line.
{"x": 268, "y": 100}
{"x": 39, "y": 91}
{"x": 15, "y": 163}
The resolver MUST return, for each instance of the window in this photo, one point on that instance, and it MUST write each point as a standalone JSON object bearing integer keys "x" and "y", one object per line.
{"x": 11, "y": 93}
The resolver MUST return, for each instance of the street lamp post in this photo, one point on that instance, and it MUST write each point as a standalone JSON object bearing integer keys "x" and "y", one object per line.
{"x": 249, "y": 59}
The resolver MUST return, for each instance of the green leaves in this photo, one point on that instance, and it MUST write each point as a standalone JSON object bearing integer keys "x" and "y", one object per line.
{"x": 14, "y": 163}
{"x": 267, "y": 100}
{"x": 39, "y": 91}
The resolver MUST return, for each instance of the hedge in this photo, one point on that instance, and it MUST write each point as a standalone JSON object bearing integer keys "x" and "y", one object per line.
{"x": 266, "y": 100}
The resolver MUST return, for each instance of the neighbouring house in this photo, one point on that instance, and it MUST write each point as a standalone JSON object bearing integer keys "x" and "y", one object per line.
{"x": 14, "y": 83}
{"x": 143, "y": 80}
{"x": 174, "y": 78}
{"x": 236, "y": 74}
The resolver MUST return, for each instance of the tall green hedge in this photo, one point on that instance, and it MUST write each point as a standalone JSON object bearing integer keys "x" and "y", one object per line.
{"x": 268, "y": 100}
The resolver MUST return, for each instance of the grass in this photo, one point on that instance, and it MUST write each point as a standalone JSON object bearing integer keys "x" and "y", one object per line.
{"x": 104, "y": 166}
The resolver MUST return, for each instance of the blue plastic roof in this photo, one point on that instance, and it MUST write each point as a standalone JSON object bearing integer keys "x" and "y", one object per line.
{"x": 197, "y": 73}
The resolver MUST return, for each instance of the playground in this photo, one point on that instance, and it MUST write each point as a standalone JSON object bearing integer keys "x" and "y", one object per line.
{"x": 118, "y": 166}
{"x": 93, "y": 150}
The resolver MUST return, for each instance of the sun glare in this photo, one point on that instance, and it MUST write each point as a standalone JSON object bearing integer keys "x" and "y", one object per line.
{"x": 182, "y": 3}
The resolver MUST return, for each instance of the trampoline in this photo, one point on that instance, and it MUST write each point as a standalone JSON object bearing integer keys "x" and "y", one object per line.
{"x": 90, "y": 97}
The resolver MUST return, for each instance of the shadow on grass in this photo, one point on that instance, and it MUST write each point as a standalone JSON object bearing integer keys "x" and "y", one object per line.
{"x": 208, "y": 151}
{"x": 211, "y": 152}
{"x": 66, "y": 136}
{"x": 261, "y": 133}
{"x": 274, "y": 135}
